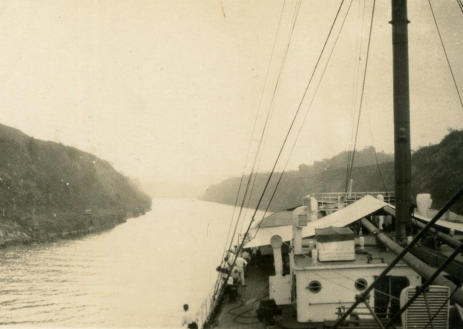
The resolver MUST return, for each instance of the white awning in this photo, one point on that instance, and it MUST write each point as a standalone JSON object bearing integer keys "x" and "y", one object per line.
{"x": 343, "y": 217}
{"x": 458, "y": 227}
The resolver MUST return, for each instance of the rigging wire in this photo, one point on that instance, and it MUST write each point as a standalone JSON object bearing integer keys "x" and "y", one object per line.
{"x": 286, "y": 138}
{"x": 445, "y": 53}
{"x": 233, "y": 214}
{"x": 430, "y": 322}
{"x": 307, "y": 113}
{"x": 267, "y": 119}
{"x": 460, "y": 4}
{"x": 276, "y": 89}
{"x": 362, "y": 91}
{"x": 293, "y": 120}
{"x": 275, "y": 38}
{"x": 284, "y": 141}
{"x": 355, "y": 92}
{"x": 378, "y": 167}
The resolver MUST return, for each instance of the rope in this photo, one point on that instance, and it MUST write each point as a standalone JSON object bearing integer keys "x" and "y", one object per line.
{"x": 218, "y": 290}
{"x": 308, "y": 110}
{"x": 267, "y": 119}
{"x": 394, "y": 262}
{"x": 242, "y": 315}
{"x": 286, "y": 137}
{"x": 460, "y": 4}
{"x": 380, "y": 172}
{"x": 358, "y": 60}
{"x": 362, "y": 91}
{"x": 255, "y": 122}
{"x": 445, "y": 53}
{"x": 427, "y": 309}
{"x": 276, "y": 89}
{"x": 233, "y": 214}
{"x": 441, "y": 307}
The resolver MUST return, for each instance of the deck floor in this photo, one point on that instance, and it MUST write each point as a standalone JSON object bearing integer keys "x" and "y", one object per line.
{"x": 241, "y": 314}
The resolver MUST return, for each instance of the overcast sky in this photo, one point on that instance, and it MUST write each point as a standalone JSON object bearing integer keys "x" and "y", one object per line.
{"x": 170, "y": 89}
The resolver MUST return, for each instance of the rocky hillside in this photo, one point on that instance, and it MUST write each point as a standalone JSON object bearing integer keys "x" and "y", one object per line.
{"x": 437, "y": 169}
{"x": 48, "y": 190}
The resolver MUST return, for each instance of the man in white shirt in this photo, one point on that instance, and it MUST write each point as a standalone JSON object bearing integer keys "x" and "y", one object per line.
{"x": 240, "y": 264}
{"x": 245, "y": 254}
{"x": 189, "y": 319}
{"x": 231, "y": 258}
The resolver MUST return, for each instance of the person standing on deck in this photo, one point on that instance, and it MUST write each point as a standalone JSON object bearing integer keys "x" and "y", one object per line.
{"x": 231, "y": 258}
{"x": 189, "y": 319}
{"x": 245, "y": 254}
{"x": 240, "y": 264}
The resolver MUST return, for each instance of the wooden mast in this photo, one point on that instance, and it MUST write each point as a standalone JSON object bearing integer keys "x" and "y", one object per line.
{"x": 402, "y": 153}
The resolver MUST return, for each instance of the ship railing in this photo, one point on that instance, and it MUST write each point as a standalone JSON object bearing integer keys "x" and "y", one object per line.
{"x": 336, "y": 199}
{"x": 204, "y": 310}
{"x": 210, "y": 302}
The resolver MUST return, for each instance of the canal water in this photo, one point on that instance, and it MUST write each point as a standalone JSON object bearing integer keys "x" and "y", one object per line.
{"x": 139, "y": 274}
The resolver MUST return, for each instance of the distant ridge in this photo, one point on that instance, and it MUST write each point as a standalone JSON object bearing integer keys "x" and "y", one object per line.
{"x": 48, "y": 190}
{"x": 436, "y": 169}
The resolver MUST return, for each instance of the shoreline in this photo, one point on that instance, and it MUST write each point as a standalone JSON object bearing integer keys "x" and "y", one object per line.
{"x": 14, "y": 234}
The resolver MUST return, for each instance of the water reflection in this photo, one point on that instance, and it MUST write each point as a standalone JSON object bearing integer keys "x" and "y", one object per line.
{"x": 135, "y": 275}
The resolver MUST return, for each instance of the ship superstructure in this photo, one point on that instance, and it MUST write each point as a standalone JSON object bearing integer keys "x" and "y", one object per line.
{"x": 316, "y": 267}
{"x": 345, "y": 259}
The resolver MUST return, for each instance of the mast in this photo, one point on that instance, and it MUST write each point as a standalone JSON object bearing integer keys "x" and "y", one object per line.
{"x": 402, "y": 155}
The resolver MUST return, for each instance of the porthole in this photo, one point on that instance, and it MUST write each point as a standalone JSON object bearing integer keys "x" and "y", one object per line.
{"x": 361, "y": 284}
{"x": 314, "y": 286}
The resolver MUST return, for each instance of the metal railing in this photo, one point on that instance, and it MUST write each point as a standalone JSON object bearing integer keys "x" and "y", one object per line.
{"x": 210, "y": 302}
{"x": 345, "y": 198}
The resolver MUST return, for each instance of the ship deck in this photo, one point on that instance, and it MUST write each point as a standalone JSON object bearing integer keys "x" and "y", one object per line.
{"x": 241, "y": 314}
{"x": 372, "y": 256}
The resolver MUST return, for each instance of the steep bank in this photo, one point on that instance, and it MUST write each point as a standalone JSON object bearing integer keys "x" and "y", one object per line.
{"x": 436, "y": 169}
{"x": 48, "y": 191}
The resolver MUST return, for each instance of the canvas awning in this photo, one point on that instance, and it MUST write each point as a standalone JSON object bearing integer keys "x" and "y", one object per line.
{"x": 343, "y": 217}
{"x": 280, "y": 218}
{"x": 458, "y": 227}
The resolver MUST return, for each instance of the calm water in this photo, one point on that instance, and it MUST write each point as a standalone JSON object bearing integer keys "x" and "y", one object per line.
{"x": 138, "y": 274}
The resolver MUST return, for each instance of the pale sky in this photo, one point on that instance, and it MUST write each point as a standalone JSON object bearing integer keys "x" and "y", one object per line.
{"x": 170, "y": 89}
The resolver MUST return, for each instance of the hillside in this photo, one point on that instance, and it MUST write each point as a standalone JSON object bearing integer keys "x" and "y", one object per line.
{"x": 437, "y": 169}
{"x": 49, "y": 190}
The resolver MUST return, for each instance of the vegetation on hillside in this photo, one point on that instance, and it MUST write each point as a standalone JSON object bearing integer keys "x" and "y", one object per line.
{"x": 46, "y": 187}
{"x": 436, "y": 169}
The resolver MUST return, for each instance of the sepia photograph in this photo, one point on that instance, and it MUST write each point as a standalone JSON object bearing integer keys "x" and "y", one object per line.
{"x": 231, "y": 164}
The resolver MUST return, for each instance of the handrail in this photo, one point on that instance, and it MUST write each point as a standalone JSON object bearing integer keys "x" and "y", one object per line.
{"x": 210, "y": 302}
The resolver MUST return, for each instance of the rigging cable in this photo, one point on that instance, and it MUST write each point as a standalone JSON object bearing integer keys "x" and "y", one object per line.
{"x": 294, "y": 119}
{"x": 378, "y": 167}
{"x": 441, "y": 307}
{"x": 276, "y": 89}
{"x": 220, "y": 292}
{"x": 460, "y": 4}
{"x": 363, "y": 90}
{"x": 267, "y": 119}
{"x": 355, "y": 92}
{"x": 287, "y": 134}
{"x": 445, "y": 53}
{"x": 255, "y": 122}
{"x": 307, "y": 113}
